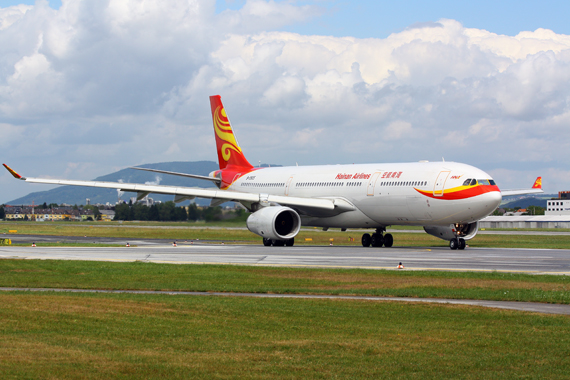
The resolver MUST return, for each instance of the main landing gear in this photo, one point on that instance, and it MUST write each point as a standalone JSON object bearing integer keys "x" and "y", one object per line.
{"x": 278, "y": 243}
{"x": 378, "y": 239}
{"x": 457, "y": 243}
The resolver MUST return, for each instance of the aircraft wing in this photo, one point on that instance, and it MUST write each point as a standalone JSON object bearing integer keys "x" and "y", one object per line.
{"x": 192, "y": 192}
{"x": 536, "y": 189}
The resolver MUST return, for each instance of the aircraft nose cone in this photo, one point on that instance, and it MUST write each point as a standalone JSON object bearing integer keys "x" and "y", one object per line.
{"x": 494, "y": 199}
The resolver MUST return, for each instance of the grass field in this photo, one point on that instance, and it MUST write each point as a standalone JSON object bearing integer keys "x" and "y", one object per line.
{"x": 232, "y": 278}
{"x": 242, "y": 236}
{"x": 126, "y": 336}
{"x": 58, "y": 336}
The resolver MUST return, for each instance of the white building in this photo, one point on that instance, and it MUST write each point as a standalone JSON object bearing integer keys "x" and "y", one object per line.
{"x": 558, "y": 207}
{"x": 526, "y": 221}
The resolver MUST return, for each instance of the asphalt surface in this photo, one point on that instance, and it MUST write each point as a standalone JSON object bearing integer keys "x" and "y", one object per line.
{"x": 536, "y": 261}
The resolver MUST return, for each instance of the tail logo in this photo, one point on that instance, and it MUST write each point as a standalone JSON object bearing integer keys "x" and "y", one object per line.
{"x": 537, "y": 183}
{"x": 224, "y": 132}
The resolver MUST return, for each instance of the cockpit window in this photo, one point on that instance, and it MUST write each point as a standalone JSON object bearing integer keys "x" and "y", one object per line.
{"x": 473, "y": 182}
{"x": 492, "y": 182}
{"x": 483, "y": 182}
{"x": 466, "y": 183}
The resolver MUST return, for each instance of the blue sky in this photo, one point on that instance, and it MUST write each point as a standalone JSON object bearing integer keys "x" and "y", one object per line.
{"x": 111, "y": 84}
{"x": 379, "y": 18}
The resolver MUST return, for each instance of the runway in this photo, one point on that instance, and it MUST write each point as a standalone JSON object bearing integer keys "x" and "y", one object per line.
{"x": 535, "y": 261}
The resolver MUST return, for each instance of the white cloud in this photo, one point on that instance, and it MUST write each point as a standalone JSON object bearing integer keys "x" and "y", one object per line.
{"x": 308, "y": 137}
{"x": 10, "y": 15}
{"x": 399, "y": 129}
{"x": 100, "y": 84}
{"x": 157, "y": 180}
{"x": 289, "y": 91}
{"x": 266, "y": 15}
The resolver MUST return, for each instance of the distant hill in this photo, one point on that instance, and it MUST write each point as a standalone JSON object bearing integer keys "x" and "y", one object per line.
{"x": 525, "y": 202}
{"x": 77, "y": 194}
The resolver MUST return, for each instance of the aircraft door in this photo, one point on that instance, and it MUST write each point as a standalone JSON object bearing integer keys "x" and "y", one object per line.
{"x": 372, "y": 184}
{"x": 236, "y": 177}
{"x": 438, "y": 188}
{"x": 287, "y": 185}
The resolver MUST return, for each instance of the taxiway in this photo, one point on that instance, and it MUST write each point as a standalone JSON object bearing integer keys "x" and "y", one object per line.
{"x": 537, "y": 261}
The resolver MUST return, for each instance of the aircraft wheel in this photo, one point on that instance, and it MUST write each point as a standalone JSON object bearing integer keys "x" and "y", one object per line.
{"x": 267, "y": 242}
{"x": 278, "y": 243}
{"x": 388, "y": 240}
{"x": 454, "y": 244}
{"x": 290, "y": 242}
{"x": 377, "y": 240}
{"x": 462, "y": 244}
{"x": 366, "y": 240}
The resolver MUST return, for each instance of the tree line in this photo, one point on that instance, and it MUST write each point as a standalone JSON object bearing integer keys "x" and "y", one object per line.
{"x": 530, "y": 210}
{"x": 168, "y": 212}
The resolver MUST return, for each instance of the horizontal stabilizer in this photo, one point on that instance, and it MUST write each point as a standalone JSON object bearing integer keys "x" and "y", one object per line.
{"x": 536, "y": 189}
{"x": 196, "y": 176}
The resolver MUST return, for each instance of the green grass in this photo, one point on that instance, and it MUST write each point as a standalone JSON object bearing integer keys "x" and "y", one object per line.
{"x": 127, "y": 336}
{"x": 48, "y": 335}
{"x": 58, "y": 336}
{"x": 230, "y": 278}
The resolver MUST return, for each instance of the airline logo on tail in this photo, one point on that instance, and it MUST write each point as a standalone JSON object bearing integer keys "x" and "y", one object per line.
{"x": 229, "y": 151}
{"x": 537, "y": 183}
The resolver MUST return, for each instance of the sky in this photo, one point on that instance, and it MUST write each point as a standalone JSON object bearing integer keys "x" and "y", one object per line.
{"x": 88, "y": 87}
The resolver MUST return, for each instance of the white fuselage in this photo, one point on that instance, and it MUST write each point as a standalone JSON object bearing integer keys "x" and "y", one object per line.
{"x": 383, "y": 194}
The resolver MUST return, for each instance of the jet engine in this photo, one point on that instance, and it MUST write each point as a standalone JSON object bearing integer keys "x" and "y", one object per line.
{"x": 275, "y": 222}
{"x": 464, "y": 231}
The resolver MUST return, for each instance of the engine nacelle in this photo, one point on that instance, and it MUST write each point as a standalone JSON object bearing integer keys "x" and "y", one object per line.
{"x": 275, "y": 222}
{"x": 465, "y": 231}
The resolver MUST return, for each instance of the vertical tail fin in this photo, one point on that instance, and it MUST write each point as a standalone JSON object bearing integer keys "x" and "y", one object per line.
{"x": 537, "y": 183}
{"x": 229, "y": 151}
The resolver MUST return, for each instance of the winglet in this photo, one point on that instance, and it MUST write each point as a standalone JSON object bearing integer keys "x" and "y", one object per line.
{"x": 537, "y": 183}
{"x": 16, "y": 175}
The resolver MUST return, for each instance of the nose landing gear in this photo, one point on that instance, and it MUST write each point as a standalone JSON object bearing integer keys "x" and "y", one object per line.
{"x": 457, "y": 243}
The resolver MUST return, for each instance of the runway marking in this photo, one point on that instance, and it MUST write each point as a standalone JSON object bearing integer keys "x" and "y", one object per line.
{"x": 312, "y": 257}
{"x": 306, "y": 265}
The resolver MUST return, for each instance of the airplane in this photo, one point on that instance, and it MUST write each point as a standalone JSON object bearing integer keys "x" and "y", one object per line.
{"x": 446, "y": 198}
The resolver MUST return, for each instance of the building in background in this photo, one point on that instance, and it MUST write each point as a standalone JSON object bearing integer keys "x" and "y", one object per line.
{"x": 556, "y": 215}
{"x": 560, "y": 206}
